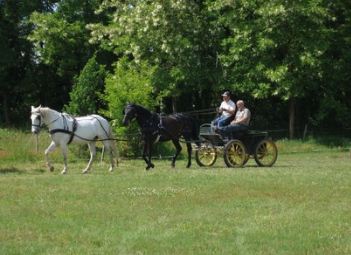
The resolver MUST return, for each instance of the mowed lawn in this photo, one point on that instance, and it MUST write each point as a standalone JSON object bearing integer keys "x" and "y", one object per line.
{"x": 302, "y": 205}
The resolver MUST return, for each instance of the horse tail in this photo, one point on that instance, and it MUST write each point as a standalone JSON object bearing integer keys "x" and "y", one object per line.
{"x": 110, "y": 137}
{"x": 113, "y": 144}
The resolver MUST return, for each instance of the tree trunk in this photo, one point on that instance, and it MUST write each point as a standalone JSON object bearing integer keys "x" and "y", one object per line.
{"x": 292, "y": 105}
{"x": 5, "y": 109}
{"x": 174, "y": 104}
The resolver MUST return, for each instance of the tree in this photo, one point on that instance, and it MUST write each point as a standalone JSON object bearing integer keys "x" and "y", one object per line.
{"x": 86, "y": 92}
{"x": 334, "y": 108}
{"x": 17, "y": 66}
{"x": 274, "y": 48}
{"x": 129, "y": 83}
{"x": 176, "y": 37}
{"x": 61, "y": 40}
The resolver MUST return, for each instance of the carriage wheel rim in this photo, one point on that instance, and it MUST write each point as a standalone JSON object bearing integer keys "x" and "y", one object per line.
{"x": 206, "y": 156}
{"x": 266, "y": 153}
{"x": 235, "y": 154}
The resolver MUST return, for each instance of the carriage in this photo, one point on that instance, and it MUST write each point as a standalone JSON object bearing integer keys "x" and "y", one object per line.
{"x": 237, "y": 148}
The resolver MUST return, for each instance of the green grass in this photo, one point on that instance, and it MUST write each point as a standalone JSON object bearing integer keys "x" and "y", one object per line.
{"x": 301, "y": 205}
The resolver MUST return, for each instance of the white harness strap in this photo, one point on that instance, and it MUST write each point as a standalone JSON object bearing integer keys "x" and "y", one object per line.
{"x": 157, "y": 139}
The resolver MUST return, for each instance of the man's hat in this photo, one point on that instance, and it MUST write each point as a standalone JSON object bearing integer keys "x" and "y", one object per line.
{"x": 226, "y": 93}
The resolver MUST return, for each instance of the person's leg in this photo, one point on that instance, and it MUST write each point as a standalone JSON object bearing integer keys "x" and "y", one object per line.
{"x": 223, "y": 122}
{"x": 216, "y": 120}
{"x": 230, "y": 129}
{"x": 215, "y": 123}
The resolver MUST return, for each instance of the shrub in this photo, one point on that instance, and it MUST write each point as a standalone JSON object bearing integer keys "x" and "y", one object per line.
{"x": 129, "y": 83}
{"x": 84, "y": 97}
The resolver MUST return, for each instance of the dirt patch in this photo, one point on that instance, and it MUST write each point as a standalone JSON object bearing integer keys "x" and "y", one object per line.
{"x": 3, "y": 154}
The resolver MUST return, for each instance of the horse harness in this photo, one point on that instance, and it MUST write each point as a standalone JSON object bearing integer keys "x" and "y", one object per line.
{"x": 65, "y": 128}
{"x": 155, "y": 126}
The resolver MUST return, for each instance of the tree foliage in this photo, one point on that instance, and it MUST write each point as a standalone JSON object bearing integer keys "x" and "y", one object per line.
{"x": 17, "y": 66}
{"x": 174, "y": 36}
{"x": 130, "y": 83}
{"x": 291, "y": 55}
{"x": 85, "y": 94}
{"x": 61, "y": 38}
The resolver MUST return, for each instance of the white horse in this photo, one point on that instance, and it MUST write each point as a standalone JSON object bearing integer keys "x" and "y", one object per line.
{"x": 65, "y": 129}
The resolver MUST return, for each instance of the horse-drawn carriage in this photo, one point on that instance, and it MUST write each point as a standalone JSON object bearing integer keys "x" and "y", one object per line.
{"x": 89, "y": 129}
{"x": 237, "y": 148}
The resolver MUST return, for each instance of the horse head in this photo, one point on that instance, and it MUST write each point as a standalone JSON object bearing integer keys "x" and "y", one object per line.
{"x": 129, "y": 112}
{"x": 36, "y": 118}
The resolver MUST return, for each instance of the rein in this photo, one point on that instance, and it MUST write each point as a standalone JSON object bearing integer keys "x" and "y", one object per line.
{"x": 74, "y": 129}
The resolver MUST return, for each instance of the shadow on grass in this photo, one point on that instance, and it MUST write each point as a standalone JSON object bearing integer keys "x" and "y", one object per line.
{"x": 14, "y": 170}
{"x": 39, "y": 171}
{"x": 11, "y": 170}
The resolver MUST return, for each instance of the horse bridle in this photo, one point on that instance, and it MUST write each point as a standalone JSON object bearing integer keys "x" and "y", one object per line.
{"x": 40, "y": 122}
{"x": 128, "y": 115}
{"x": 38, "y": 116}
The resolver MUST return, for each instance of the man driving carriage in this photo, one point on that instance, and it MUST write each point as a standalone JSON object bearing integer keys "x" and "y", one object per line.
{"x": 239, "y": 124}
{"x": 227, "y": 110}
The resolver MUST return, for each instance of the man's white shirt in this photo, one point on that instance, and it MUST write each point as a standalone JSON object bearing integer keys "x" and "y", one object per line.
{"x": 230, "y": 105}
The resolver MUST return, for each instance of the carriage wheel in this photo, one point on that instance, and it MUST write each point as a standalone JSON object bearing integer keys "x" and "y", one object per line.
{"x": 266, "y": 153}
{"x": 206, "y": 155}
{"x": 235, "y": 154}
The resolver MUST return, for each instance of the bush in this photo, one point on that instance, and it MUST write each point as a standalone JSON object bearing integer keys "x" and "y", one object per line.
{"x": 129, "y": 83}
{"x": 84, "y": 97}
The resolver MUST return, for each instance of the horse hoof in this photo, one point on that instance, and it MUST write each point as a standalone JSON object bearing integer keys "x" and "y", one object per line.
{"x": 51, "y": 168}
{"x": 110, "y": 170}
{"x": 63, "y": 172}
{"x": 152, "y": 165}
{"x": 85, "y": 172}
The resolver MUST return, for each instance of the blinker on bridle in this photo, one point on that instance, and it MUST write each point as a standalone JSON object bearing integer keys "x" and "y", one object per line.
{"x": 38, "y": 125}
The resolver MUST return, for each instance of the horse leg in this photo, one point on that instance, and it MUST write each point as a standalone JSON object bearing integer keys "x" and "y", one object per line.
{"x": 51, "y": 147}
{"x": 64, "y": 153}
{"x": 147, "y": 154}
{"x": 178, "y": 150}
{"x": 108, "y": 146}
{"x": 92, "y": 149}
{"x": 188, "y": 145}
{"x": 144, "y": 154}
{"x": 150, "y": 152}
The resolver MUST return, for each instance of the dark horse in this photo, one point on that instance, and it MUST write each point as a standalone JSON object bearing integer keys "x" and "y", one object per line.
{"x": 155, "y": 128}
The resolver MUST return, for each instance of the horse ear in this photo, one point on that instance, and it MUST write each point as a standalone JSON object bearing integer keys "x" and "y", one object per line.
{"x": 32, "y": 108}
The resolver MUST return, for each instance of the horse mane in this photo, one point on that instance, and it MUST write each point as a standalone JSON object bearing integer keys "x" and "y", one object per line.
{"x": 45, "y": 110}
{"x": 142, "y": 109}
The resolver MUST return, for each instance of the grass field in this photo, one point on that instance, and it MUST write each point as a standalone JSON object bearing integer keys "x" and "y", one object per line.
{"x": 302, "y": 205}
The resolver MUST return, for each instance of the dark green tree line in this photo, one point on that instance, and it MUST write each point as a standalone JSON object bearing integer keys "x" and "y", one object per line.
{"x": 289, "y": 59}
{"x": 17, "y": 63}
